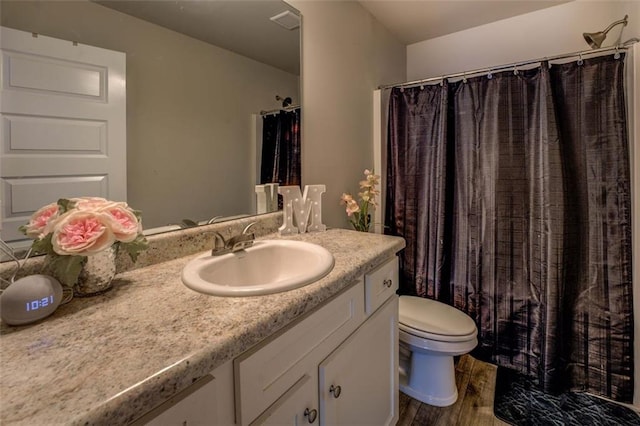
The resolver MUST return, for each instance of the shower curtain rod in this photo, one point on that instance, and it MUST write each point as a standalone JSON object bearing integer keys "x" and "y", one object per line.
{"x": 514, "y": 65}
{"x": 275, "y": 111}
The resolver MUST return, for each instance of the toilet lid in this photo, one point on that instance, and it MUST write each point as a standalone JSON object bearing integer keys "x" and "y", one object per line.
{"x": 434, "y": 317}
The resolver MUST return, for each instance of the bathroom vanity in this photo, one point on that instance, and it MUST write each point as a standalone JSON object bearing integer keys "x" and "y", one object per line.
{"x": 337, "y": 365}
{"x": 152, "y": 351}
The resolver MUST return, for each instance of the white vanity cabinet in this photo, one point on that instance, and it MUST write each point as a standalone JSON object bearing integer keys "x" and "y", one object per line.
{"x": 356, "y": 383}
{"x": 337, "y": 365}
{"x": 267, "y": 375}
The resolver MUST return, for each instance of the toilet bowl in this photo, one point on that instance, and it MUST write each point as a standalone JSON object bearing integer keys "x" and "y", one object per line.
{"x": 431, "y": 334}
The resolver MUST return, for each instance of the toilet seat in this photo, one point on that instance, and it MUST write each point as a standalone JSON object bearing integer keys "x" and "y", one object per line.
{"x": 430, "y": 319}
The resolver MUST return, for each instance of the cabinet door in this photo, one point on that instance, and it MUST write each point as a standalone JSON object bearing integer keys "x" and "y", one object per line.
{"x": 298, "y": 406}
{"x": 359, "y": 380}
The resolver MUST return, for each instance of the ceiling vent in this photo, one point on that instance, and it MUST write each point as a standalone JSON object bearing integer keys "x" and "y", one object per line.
{"x": 287, "y": 19}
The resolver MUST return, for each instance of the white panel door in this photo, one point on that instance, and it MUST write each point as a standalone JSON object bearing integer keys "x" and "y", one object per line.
{"x": 62, "y": 124}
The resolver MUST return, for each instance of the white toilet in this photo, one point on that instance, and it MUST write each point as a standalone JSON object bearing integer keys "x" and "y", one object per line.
{"x": 431, "y": 334}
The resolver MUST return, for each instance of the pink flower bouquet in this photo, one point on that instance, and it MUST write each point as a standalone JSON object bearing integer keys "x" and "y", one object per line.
{"x": 360, "y": 213}
{"x": 72, "y": 229}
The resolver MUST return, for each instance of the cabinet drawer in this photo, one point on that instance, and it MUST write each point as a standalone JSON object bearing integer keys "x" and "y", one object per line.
{"x": 266, "y": 372}
{"x": 380, "y": 284}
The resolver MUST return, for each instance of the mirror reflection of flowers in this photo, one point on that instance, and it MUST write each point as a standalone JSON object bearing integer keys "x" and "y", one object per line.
{"x": 360, "y": 213}
{"x": 72, "y": 229}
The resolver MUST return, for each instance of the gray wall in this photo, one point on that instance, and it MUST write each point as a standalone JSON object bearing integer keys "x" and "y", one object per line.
{"x": 346, "y": 54}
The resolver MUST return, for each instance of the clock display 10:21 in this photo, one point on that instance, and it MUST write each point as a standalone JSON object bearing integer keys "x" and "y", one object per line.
{"x": 39, "y": 303}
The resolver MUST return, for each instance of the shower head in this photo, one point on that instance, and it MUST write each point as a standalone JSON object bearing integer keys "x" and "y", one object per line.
{"x": 595, "y": 39}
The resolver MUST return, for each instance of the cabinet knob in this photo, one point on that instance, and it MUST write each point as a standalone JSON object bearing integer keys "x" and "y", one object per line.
{"x": 335, "y": 390}
{"x": 387, "y": 283}
{"x": 311, "y": 415}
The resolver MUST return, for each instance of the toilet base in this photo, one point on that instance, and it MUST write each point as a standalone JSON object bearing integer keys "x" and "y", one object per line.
{"x": 430, "y": 379}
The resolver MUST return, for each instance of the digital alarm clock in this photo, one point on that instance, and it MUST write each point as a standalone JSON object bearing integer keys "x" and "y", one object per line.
{"x": 29, "y": 299}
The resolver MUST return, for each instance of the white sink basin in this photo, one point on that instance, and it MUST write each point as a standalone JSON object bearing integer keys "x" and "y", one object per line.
{"x": 269, "y": 266}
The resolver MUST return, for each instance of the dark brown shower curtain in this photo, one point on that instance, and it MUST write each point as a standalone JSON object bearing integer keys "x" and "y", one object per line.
{"x": 280, "y": 160}
{"x": 416, "y": 183}
{"x": 533, "y": 236}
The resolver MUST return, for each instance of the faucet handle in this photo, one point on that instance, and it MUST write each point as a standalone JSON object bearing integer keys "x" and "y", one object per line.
{"x": 242, "y": 240}
{"x": 214, "y": 219}
{"x": 244, "y": 231}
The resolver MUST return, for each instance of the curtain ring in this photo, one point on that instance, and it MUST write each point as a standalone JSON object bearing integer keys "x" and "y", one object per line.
{"x": 490, "y": 75}
{"x": 464, "y": 77}
{"x": 515, "y": 70}
{"x": 401, "y": 89}
{"x": 617, "y": 54}
{"x": 580, "y": 61}
{"x": 422, "y": 87}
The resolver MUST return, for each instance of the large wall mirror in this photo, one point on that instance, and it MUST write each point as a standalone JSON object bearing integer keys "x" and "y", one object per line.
{"x": 199, "y": 76}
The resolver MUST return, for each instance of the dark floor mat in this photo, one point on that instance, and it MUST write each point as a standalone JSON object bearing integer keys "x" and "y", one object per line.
{"x": 519, "y": 402}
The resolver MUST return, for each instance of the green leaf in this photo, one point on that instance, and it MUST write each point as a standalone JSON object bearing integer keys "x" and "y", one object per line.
{"x": 135, "y": 247}
{"x": 65, "y": 205}
{"x": 43, "y": 245}
{"x": 137, "y": 214}
{"x": 67, "y": 268}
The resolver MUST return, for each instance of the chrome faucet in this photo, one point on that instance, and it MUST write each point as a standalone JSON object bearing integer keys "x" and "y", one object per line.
{"x": 242, "y": 241}
{"x": 236, "y": 243}
{"x": 219, "y": 249}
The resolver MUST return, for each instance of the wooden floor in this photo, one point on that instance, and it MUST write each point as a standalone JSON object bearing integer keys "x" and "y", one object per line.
{"x": 476, "y": 381}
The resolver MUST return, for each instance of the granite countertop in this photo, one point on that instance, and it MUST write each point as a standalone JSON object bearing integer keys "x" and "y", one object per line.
{"x": 109, "y": 359}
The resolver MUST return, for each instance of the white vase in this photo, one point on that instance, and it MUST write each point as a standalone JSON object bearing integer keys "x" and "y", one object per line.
{"x": 97, "y": 273}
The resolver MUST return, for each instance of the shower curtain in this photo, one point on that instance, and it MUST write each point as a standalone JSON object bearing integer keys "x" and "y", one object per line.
{"x": 280, "y": 161}
{"x": 513, "y": 193}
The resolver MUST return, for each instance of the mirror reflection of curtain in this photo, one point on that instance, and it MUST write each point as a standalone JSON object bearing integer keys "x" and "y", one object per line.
{"x": 516, "y": 208}
{"x": 280, "y": 162}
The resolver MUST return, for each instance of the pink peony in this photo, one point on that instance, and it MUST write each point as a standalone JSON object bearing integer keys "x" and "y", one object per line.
{"x": 123, "y": 222}
{"x": 42, "y": 221}
{"x": 82, "y": 233}
{"x": 89, "y": 203}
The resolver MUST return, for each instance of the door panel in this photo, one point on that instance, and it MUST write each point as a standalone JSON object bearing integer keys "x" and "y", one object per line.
{"x": 24, "y": 196}
{"x": 49, "y": 75}
{"x": 54, "y": 135}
